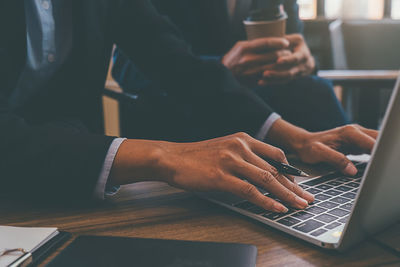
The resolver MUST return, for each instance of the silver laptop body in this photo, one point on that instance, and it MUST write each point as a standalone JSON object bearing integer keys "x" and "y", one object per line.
{"x": 347, "y": 209}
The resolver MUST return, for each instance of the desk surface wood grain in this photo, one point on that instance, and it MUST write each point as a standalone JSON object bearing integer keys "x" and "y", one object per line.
{"x": 155, "y": 210}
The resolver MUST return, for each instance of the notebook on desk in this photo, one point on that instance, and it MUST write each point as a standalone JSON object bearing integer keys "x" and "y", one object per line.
{"x": 16, "y": 242}
{"x": 98, "y": 251}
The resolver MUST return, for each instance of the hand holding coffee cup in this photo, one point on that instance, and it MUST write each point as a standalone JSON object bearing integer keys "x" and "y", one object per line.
{"x": 268, "y": 22}
{"x": 267, "y": 42}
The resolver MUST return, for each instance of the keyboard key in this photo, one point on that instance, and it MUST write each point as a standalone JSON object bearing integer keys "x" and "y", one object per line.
{"x": 303, "y": 186}
{"x": 313, "y": 191}
{"x": 316, "y": 201}
{"x": 338, "y": 212}
{"x": 308, "y": 226}
{"x": 347, "y": 206}
{"x": 302, "y": 215}
{"x": 361, "y": 165}
{"x": 291, "y": 210}
{"x": 340, "y": 200}
{"x": 313, "y": 182}
{"x": 349, "y": 195}
{"x": 256, "y": 210}
{"x": 332, "y": 192}
{"x": 343, "y": 179}
{"x": 357, "y": 180}
{"x": 353, "y": 184}
{"x": 334, "y": 183}
{"x": 332, "y": 225}
{"x": 318, "y": 232}
{"x": 244, "y": 205}
{"x": 325, "y": 218}
{"x": 315, "y": 210}
{"x": 273, "y": 215}
{"x": 321, "y": 180}
{"x": 359, "y": 174}
{"x": 355, "y": 190}
{"x": 344, "y": 188}
{"x": 322, "y": 197}
{"x": 324, "y": 187}
{"x": 344, "y": 219}
{"x": 289, "y": 221}
{"x": 328, "y": 205}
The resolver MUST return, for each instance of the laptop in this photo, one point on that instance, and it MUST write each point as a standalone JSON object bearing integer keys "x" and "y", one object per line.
{"x": 346, "y": 209}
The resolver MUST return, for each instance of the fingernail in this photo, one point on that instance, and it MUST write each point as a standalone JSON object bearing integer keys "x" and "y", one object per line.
{"x": 280, "y": 208}
{"x": 287, "y": 43}
{"x": 308, "y": 196}
{"x": 301, "y": 202}
{"x": 350, "y": 169}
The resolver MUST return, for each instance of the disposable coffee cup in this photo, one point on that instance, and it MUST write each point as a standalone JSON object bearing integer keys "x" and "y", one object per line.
{"x": 266, "y": 23}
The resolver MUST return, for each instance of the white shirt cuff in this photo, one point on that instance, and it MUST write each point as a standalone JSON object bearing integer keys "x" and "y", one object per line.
{"x": 100, "y": 191}
{"x": 262, "y": 133}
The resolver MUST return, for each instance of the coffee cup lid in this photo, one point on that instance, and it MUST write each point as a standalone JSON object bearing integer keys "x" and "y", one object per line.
{"x": 266, "y": 14}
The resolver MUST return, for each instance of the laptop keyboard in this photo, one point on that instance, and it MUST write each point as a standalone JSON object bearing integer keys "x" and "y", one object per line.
{"x": 334, "y": 198}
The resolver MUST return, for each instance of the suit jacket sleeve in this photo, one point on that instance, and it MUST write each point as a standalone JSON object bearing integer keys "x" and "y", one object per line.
{"x": 155, "y": 45}
{"x": 58, "y": 160}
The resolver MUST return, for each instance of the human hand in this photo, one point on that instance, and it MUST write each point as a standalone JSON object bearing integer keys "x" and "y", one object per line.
{"x": 247, "y": 59}
{"x": 287, "y": 67}
{"x": 328, "y": 146}
{"x": 219, "y": 164}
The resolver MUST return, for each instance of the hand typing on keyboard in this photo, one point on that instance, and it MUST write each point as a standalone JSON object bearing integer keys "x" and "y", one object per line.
{"x": 329, "y": 146}
{"x": 222, "y": 164}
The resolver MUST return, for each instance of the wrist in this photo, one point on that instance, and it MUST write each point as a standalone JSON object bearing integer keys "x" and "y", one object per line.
{"x": 137, "y": 161}
{"x": 287, "y": 136}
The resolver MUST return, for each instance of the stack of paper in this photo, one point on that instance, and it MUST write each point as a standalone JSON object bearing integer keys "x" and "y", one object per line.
{"x": 27, "y": 238}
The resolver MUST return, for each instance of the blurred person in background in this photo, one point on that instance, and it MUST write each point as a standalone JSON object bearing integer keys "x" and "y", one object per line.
{"x": 281, "y": 71}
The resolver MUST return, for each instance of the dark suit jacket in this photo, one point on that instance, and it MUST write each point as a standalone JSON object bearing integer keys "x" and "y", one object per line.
{"x": 52, "y": 145}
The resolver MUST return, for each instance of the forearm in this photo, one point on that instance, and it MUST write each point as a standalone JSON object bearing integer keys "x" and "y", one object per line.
{"x": 138, "y": 161}
{"x": 211, "y": 165}
{"x": 143, "y": 160}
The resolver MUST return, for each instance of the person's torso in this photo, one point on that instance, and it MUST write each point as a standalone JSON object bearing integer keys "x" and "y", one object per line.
{"x": 40, "y": 91}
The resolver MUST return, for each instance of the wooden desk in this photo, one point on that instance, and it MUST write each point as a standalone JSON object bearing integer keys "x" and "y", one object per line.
{"x": 155, "y": 210}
